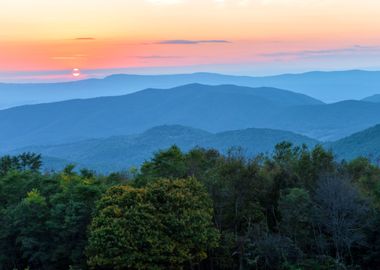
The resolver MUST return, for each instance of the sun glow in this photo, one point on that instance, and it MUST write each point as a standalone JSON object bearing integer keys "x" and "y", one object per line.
{"x": 250, "y": 37}
{"x": 76, "y": 72}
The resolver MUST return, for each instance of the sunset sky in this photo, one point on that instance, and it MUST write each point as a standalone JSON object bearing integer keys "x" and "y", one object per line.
{"x": 44, "y": 40}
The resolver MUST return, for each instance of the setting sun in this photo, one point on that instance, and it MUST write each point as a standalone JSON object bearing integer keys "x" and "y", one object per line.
{"x": 76, "y": 72}
{"x": 250, "y": 37}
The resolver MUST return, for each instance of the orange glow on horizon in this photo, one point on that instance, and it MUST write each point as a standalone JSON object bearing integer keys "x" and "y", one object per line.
{"x": 50, "y": 35}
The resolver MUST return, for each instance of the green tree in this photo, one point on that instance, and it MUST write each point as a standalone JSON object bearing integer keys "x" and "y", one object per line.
{"x": 165, "y": 164}
{"x": 29, "y": 220}
{"x": 44, "y": 218}
{"x": 164, "y": 225}
{"x": 72, "y": 206}
{"x": 23, "y": 162}
{"x": 296, "y": 216}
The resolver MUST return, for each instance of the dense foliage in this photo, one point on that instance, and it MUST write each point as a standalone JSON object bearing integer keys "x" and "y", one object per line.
{"x": 161, "y": 226}
{"x": 295, "y": 209}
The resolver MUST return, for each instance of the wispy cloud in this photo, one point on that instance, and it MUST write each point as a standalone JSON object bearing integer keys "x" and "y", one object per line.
{"x": 165, "y": 2}
{"x": 69, "y": 57}
{"x": 191, "y": 42}
{"x": 159, "y": 57}
{"x": 84, "y": 38}
{"x": 326, "y": 52}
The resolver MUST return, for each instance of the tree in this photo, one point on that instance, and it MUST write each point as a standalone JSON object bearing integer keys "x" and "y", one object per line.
{"x": 165, "y": 164}
{"x": 22, "y": 217}
{"x": 44, "y": 219}
{"x": 29, "y": 219}
{"x": 272, "y": 252}
{"x": 72, "y": 206}
{"x": 164, "y": 225}
{"x": 365, "y": 175}
{"x": 7, "y": 163}
{"x": 297, "y": 209}
{"x": 341, "y": 214}
{"x": 200, "y": 162}
{"x": 23, "y": 162}
{"x": 296, "y": 216}
{"x": 30, "y": 161}
{"x": 122, "y": 234}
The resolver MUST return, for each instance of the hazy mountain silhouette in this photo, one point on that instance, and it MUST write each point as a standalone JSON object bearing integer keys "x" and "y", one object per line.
{"x": 213, "y": 108}
{"x": 122, "y": 152}
{"x": 326, "y": 86}
{"x": 328, "y": 122}
{"x": 365, "y": 143}
{"x": 373, "y": 98}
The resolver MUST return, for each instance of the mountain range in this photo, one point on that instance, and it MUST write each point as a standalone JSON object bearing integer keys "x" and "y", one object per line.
{"x": 211, "y": 108}
{"x": 117, "y": 132}
{"x": 122, "y": 152}
{"x": 326, "y": 86}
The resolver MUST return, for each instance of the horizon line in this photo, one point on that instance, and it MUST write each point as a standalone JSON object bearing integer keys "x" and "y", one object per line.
{"x": 153, "y": 74}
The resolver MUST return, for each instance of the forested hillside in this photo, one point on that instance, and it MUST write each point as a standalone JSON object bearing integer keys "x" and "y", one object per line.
{"x": 296, "y": 209}
{"x": 109, "y": 154}
{"x": 365, "y": 143}
{"x": 211, "y": 108}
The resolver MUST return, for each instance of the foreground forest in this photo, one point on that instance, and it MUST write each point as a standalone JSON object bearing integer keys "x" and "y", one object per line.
{"x": 298, "y": 208}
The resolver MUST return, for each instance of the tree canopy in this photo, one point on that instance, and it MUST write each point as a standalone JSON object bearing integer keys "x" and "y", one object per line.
{"x": 296, "y": 208}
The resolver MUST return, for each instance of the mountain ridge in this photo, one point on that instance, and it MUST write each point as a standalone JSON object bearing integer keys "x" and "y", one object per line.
{"x": 329, "y": 86}
{"x": 213, "y": 108}
{"x": 365, "y": 143}
{"x": 121, "y": 152}
{"x": 373, "y": 98}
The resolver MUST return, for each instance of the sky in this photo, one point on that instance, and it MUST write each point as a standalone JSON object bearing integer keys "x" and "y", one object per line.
{"x": 45, "y": 40}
